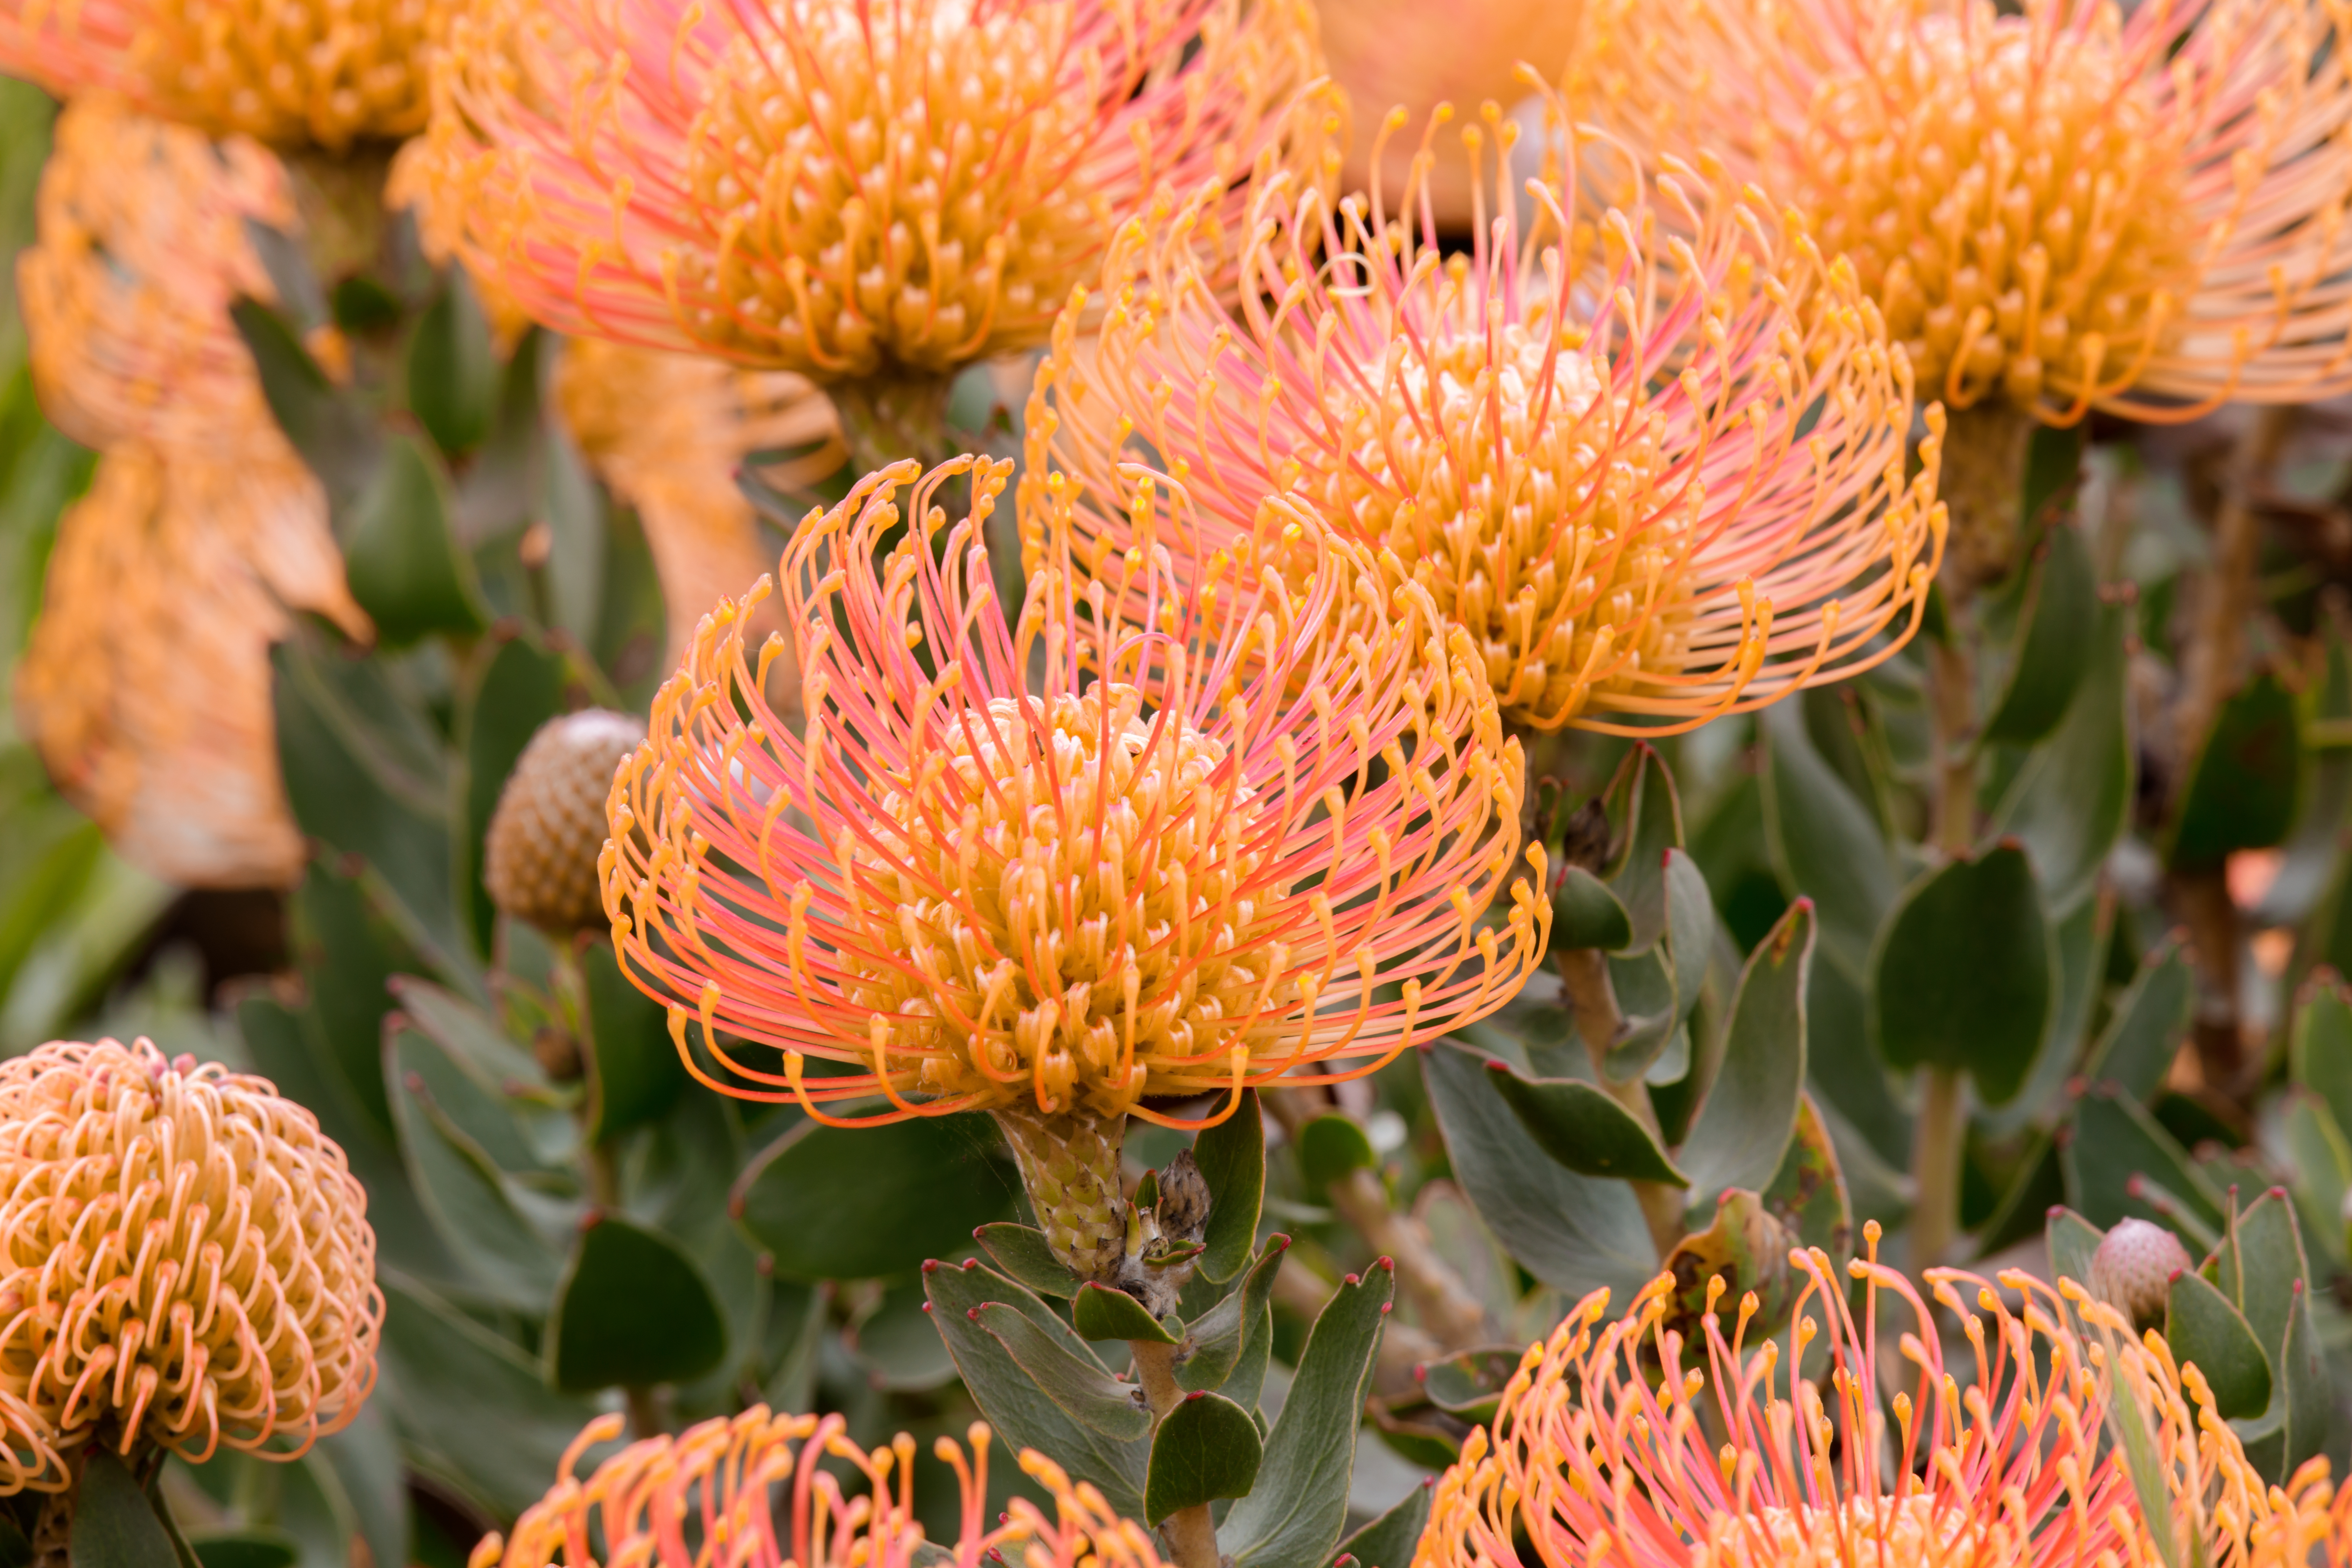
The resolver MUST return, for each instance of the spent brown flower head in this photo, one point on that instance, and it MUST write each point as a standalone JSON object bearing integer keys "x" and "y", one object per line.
{"x": 548, "y": 829}
{"x": 844, "y": 189}
{"x": 184, "y": 1259}
{"x": 2083, "y": 204}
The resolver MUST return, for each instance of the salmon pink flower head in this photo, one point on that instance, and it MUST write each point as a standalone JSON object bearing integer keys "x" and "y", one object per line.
{"x": 856, "y": 190}
{"x": 186, "y": 1261}
{"x": 753, "y": 1485}
{"x": 2078, "y": 205}
{"x": 1651, "y": 457}
{"x": 322, "y": 75}
{"x": 1064, "y": 868}
{"x": 1623, "y": 1440}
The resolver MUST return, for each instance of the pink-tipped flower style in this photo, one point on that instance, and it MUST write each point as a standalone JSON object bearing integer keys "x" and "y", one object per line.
{"x": 2078, "y": 205}
{"x": 1059, "y": 867}
{"x": 1622, "y": 1441}
{"x": 852, "y": 189}
{"x": 749, "y": 1492}
{"x": 1650, "y": 458}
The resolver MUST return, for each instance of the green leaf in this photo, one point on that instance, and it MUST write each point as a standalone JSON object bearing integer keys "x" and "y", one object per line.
{"x": 2203, "y": 1328}
{"x": 1581, "y": 1127}
{"x": 2261, "y": 1267}
{"x": 114, "y": 1522}
{"x": 1650, "y": 822}
{"x": 473, "y": 1043}
{"x": 2242, "y": 789}
{"x": 638, "y": 1075}
{"x": 473, "y": 1204}
{"x": 1468, "y": 1384}
{"x": 516, "y": 686}
{"x": 348, "y": 955}
{"x": 2320, "y": 1056}
{"x": 631, "y": 1309}
{"x": 1206, "y": 1448}
{"x": 2143, "y": 1035}
{"x": 1742, "y": 1132}
{"x": 256, "y": 1546}
{"x": 1232, "y": 1157}
{"x": 1080, "y": 1389}
{"x": 896, "y": 1346}
{"x": 334, "y": 434}
{"x": 1331, "y": 1146}
{"x": 1808, "y": 1194}
{"x": 2321, "y": 1159}
{"x": 2071, "y": 799}
{"x": 1220, "y": 1337}
{"x": 401, "y": 556}
{"x": 365, "y": 1459}
{"x": 2113, "y": 1139}
{"x": 2059, "y": 621}
{"x": 1961, "y": 977}
{"x": 831, "y": 1203}
{"x": 1023, "y": 1252}
{"x": 1747, "y": 1247}
{"x": 1586, "y": 913}
{"x": 2072, "y": 1242}
{"x": 1389, "y": 1541}
{"x": 1010, "y": 1395}
{"x": 573, "y": 508}
{"x": 470, "y": 1407}
{"x": 1824, "y": 842}
{"x": 1690, "y": 935}
{"x": 1100, "y": 1312}
{"x": 453, "y": 368}
{"x": 1573, "y": 1233}
{"x": 1293, "y": 1516}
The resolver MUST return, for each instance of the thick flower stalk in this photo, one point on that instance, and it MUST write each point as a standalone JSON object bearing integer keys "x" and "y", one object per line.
{"x": 1650, "y": 458}
{"x": 1899, "y": 1458}
{"x": 752, "y": 1490}
{"x": 145, "y": 686}
{"x": 325, "y": 75}
{"x": 2087, "y": 206}
{"x": 873, "y": 196}
{"x": 1057, "y": 871}
{"x": 186, "y": 1261}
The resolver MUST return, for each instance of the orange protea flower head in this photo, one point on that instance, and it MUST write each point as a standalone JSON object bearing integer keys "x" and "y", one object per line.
{"x": 749, "y": 1490}
{"x": 1143, "y": 870}
{"x": 1996, "y": 1461}
{"x": 184, "y": 1259}
{"x": 2137, "y": 209}
{"x": 1650, "y": 458}
{"x": 851, "y": 189}
{"x": 324, "y": 75}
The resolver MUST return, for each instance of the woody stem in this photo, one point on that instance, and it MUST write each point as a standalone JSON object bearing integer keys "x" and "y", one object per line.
{"x": 1592, "y": 999}
{"x": 1191, "y": 1533}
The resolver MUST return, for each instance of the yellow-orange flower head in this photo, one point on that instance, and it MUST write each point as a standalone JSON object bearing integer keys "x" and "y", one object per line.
{"x": 2085, "y": 206}
{"x": 752, "y": 1488}
{"x": 1651, "y": 459}
{"x": 184, "y": 1259}
{"x": 320, "y": 75}
{"x": 1899, "y": 1460}
{"x": 849, "y": 190}
{"x": 1152, "y": 873}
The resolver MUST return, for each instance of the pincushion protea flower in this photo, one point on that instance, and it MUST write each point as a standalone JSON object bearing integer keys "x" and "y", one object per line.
{"x": 324, "y": 75}
{"x": 754, "y": 1488}
{"x": 184, "y": 1259}
{"x": 873, "y": 195}
{"x": 1657, "y": 478}
{"x": 2139, "y": 208}
{"x": 1157, "y": 873}
{"x": 145, "y": 686}
{"x": 1593, "y": 1456}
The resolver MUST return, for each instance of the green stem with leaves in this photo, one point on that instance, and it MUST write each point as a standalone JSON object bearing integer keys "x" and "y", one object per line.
{"x": 1191, "y": 1533}
{"x": 1584, "y": 976}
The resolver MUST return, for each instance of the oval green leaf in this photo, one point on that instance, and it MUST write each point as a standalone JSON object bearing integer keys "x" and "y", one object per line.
{"x": 114, "y": 1522}
{"x": 1232, "y": 1157}
{"x": 1206, "y": 1448}
{"x": 1331, "y": 1146}
{"x": 2204, "y": 1328}
{"x": 1961, "y": 978}
{"x": 1586, "y": 913}
{"x": 1100, "y": 1313}
{"x": 632, "y": 1310}
{"x": 858, "y": 1203}
{"x": 1582, "y": 1128}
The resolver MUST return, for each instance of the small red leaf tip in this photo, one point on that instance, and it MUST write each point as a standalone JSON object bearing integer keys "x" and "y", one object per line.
{"x": 2053, "y": 1211}
{"x": 1352, "y": 1280}
{"x": 2174, "y": 1277}
{"x": 969, "y": 1264}
{"x": 1384, "y": 1262}
{"x": 2275, "y": 1193}
{"x": 1196, "y": 1394}
{"x": 972, "y": 1313}
{"x": 931, "y": 1266}
{"x": 591, "y": 1219}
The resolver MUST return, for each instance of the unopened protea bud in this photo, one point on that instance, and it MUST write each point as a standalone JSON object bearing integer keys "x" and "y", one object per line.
{"x": 187, "y": 1258}
{"x": 540, "y": 862}
{"x": 1069, "y": 1165}
{"x": 2132, "y": 1271}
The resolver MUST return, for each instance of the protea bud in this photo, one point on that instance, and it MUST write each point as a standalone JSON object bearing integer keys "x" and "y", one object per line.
{"x": 187, "y": 1258}
{"x": 2133, "y": 1268}
{"x": 539, "y": 864}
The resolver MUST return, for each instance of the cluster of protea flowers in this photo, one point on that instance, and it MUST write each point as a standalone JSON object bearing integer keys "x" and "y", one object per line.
{"x": 753, "y": 1487}
{"x": 184, "y": 1263}
{"x": 1730, "y": 1460}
